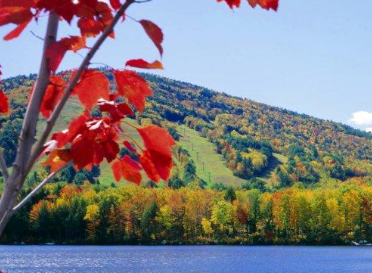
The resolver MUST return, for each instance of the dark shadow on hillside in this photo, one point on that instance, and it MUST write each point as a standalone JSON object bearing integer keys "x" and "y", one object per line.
{"x": 274, "y": 162}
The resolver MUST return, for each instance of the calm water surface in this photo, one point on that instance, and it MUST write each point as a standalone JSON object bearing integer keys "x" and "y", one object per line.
{"x": 170, "y": 259}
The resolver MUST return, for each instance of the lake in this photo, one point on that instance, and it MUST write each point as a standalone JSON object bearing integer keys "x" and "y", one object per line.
{"x": 174, "y": 259}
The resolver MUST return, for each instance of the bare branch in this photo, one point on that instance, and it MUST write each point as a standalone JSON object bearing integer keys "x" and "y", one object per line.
{"x": 3, "y": 166}
{"x": 28, "y": 131}
{"x": 57, "y": 111}
{"x": 38, "y": 188}
{"x": 17, "y": 177}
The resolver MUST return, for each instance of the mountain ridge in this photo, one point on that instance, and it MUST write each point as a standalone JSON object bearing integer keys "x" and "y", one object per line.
{"x": 248, "y": 135}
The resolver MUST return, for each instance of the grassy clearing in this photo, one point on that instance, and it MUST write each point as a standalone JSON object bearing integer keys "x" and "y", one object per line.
{"x": 209, "y": 164}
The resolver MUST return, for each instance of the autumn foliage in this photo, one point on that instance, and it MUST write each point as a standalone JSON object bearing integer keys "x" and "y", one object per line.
{"x": 132, "y": 215}
{"x": 89, "y": 140}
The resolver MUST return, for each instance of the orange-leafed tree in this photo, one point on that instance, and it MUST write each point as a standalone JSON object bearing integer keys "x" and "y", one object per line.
{"x": 88, "y": 140}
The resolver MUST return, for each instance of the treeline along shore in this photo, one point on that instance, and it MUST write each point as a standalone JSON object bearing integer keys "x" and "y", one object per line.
{"x": 70, "y": 214}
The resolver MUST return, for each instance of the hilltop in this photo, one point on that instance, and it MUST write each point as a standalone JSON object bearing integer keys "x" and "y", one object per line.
{"x": 226, "y": 140}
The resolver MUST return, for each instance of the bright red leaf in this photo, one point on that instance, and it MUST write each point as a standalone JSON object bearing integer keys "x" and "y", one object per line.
{"x": 116, "y": 111}
{"x": 66, "y": 8}
{"x": 158, "y": 143}
{"x": 231, "y": 3}
{"x": 76, "y": 127}
{"x": 19, "y": 15}
{"x": 144, "y": 64}
{"x": 265, "y": 4}
{"x": 115, "y": 4}
{"x": 95, "y": 140}
{"x": 4, "y": 106}
{"x": 154, "y": 32}
{"x": 128, "y": 169}
{"x": 149, "y": 167}
{"x": 93, "y": 86}
{"x": 14, "y": 14}
{"x": 57, "y": 50}
{"x": 52, "y": 95}
{"x": 74, "y": 43}
{"x": 18, "y": 3}
{"x": 17, "y": 31}
{"x": 94, "y": 16}
{"x": 133, "y": 87}
{"x": 129, "y": 147}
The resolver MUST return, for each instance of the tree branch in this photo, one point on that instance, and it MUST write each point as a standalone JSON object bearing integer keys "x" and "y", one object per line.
{"x": 17, "y": 177}
{"x": 38, "y": 188}
{"x": 57, "y": 111}
{"x": 3, "y": 166}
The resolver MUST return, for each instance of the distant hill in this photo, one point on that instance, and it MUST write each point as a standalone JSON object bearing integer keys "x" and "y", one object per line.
{"x": 228, "y": 140}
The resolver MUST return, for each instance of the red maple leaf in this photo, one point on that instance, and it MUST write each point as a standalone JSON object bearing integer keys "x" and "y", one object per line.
{"x": 158, "y": 143}
{"x": 115, "y": 4}
{"x": 149, "y": 167}
{"x": 4, "y": 106}
{"x": 116, "y": 111}
{"x": 128, "y": 169}
{"x": 93, "y": 86}
{"x": 231, "y": 3}
{"x": 265, "y": 4}
{"x": 57, "y": 50}
{"x": 52, "y": 95}
{"x": 133, "y": 87}
{"x": 64, "y": 8}
{"x": 129, "y": 147}
{"x": 19, "y": 15}
{"x": 76, "y": 127}
{"x": 93, "y": 140}
{"x": 95, "y": 16}
{"x": 144, "y": 64}
{"x": 154, "y": 32}
{"x": 17, "y": 31}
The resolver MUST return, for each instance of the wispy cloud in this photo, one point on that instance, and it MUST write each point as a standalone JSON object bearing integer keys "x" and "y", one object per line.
{"x": 362, "y": 118}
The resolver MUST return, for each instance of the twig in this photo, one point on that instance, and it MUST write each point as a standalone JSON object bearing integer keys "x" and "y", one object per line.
{"x": 38, "y": 188}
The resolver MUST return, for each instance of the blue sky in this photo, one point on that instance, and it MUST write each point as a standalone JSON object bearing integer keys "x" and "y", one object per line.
{"x": 313, "y": 57}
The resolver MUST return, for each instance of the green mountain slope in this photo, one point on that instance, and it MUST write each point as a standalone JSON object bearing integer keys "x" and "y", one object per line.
{"x": 228, "y": 140}
{"x": 209, "y": 165}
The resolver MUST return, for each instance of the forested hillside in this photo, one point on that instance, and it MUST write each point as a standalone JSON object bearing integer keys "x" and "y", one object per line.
{"x": 253, "y": 144}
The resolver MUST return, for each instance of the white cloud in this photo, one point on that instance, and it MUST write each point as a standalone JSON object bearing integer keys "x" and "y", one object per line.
{"x": 369, "y": 130}
{"x": 362, "y": 118}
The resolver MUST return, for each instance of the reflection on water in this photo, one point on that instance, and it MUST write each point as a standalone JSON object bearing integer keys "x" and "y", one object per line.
{"x": 173, "y": 259}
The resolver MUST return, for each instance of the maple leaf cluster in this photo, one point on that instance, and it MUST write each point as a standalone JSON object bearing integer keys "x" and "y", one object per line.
{"x": 93, "y": 16}
{"x": 90, "y": 140}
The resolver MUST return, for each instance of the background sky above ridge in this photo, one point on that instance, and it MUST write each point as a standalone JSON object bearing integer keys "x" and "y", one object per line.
{"x": 314, "y": 57}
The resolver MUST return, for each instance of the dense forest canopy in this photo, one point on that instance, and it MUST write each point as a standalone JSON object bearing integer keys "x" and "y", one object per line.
{"x": 135, "y": 215}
